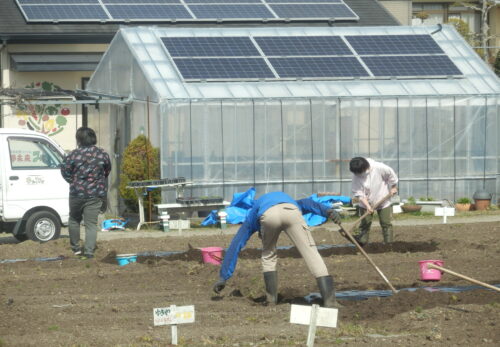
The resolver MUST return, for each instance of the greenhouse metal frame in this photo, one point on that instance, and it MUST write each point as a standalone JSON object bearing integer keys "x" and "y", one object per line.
{"x": 440, "y": 135}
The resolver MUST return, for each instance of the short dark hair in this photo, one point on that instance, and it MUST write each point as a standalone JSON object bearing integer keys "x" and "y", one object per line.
{"x": 358, "y": 165}
{"x": 85, "y": 137}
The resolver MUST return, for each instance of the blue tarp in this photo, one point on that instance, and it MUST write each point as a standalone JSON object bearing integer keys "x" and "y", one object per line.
{"x": 243, "y": 202}
{"x": 328, "y": 200}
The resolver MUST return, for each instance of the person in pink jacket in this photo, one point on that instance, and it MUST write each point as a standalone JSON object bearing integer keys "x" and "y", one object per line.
{"x": 371, "y": 182}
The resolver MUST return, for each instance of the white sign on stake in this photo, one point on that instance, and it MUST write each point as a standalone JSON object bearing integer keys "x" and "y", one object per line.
{"x": 173, "y": 315}
{"x": 445, "y": 212}
{"x": 313, "y": 316}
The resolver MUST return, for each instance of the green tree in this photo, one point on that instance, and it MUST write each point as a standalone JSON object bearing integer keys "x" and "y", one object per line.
{"x": 141, "y": 161}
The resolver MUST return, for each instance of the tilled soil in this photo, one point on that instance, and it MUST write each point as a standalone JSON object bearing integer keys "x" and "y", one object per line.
{"x": 73, "y": 302}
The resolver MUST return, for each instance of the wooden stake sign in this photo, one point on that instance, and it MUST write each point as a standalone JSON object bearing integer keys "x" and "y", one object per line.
{"x": 173, "y": 315}
{"x": 313, "y": 316}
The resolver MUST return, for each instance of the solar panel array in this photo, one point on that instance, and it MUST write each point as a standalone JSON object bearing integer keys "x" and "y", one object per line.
{"x": 309, "y": 57}
{"x": 185, "y": 10}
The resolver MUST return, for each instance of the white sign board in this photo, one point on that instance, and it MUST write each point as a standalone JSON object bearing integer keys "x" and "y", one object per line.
{"x": 444, "y": 211}
{"x": 173, "y": 315}
{"x": 326, "y": 317}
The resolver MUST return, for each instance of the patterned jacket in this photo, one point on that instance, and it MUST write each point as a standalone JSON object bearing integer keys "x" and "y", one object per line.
{"x": 86, "y": 169}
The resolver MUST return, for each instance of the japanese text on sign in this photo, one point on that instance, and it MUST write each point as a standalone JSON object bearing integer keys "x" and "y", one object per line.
{"x": 173, "y": 315}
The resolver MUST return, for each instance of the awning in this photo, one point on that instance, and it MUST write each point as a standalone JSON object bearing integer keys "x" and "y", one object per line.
{"x": 54, "y": 61}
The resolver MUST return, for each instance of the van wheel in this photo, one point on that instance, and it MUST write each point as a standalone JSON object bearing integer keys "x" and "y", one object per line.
{"x": 43, "y": 226}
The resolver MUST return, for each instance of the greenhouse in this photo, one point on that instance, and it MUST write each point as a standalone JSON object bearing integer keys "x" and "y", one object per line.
{"x": 286, "y": 108}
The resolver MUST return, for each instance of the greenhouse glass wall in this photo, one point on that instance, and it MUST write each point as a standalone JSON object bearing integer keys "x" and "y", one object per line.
{"x": 441, "y": 135}
{"x": 444, "y": 148}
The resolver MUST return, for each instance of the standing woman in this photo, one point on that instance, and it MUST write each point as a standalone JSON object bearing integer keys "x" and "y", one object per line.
{"x": 86, "y": 169}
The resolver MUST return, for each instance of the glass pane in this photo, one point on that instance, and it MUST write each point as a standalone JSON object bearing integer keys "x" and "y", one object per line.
{"x": 33, "y": 154}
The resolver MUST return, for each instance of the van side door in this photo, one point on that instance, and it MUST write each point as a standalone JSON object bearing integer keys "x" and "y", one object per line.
{"x": 33, "y": 177}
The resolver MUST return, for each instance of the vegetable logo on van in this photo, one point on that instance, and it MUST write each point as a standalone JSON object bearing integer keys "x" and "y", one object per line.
{"x": 46, "y": 119}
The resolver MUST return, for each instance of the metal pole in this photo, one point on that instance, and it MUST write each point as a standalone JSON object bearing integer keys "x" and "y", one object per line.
{"x": 148, "y": 158}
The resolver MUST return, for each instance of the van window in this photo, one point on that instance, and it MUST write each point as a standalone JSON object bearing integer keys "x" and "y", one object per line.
{"x": 33, "y": 154}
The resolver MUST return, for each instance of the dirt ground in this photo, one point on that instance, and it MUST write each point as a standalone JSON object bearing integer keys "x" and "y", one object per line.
{"x": 73, "y": 302}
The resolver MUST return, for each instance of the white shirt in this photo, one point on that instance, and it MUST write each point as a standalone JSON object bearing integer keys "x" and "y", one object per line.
{"x": 374, "y": 184}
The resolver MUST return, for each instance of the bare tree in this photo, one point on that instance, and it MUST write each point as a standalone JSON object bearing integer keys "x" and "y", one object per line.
{"x": 484, "y": 7}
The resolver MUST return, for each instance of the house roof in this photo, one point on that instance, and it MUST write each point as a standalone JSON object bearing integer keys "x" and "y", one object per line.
{"x": 138, "y": 65}
{"x": 15, "y": 29}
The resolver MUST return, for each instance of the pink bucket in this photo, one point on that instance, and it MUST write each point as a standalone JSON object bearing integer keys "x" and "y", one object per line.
{"x": 212, "y": 255}
{"x": 427, "y": 274}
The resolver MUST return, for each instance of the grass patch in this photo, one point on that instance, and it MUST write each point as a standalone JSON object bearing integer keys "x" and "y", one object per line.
{"x": 53, "y": 328}
{"x": 350, "y": 329}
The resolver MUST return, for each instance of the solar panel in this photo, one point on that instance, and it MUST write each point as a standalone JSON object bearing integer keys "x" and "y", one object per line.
{"x": 65, "y": 12}
{"x": 304, "y": 1}
{"x": 318, "y": 67}
{"x": 335, "y": 11}
{"x": 227, "y": 68}
{"x": 410, "y": 66}
{"x": 56, "y": 2}
{"x": 212, "y": 2}
{"x": 303, "y": 57}
{"x": 394, "y": 44}
{"x": 302, "y": 45}
{"x": 148, "y": 11}
{"x": 141, "y": 2}
{"x": 188, "y": 10}
{"x": 230, "y": 11}
{"x": 210, "y": 46}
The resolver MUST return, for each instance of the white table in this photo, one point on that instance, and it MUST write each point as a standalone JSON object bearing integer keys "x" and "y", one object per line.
{"x": 183, "y": 208}
{"x": 179, "y": 187}
{"x": 163, "y": 210}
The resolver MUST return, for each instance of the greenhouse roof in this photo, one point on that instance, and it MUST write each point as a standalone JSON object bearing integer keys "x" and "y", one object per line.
{"x": 291, "y": 62}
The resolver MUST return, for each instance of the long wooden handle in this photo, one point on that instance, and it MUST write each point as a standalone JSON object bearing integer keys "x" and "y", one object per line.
{"x": 380, "y": 202}
{"x": 432, "y": 266}
{"x": 353, "y": 240}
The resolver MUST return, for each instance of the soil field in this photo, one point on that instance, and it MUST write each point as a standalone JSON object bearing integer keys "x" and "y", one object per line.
{"x": 73, "y": 302}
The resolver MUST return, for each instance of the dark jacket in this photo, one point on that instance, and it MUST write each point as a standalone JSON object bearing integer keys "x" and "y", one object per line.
{"x": 86, "y": 169}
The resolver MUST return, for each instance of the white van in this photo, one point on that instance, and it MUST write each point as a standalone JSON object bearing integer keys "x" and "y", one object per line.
{"x": 34, "y": 196}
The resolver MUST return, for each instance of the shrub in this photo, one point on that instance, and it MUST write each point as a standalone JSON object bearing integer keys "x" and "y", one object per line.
{"x": 411, "y": 201}
{"x": 497, "y": 64}
{"x": 135, "y": 168}
{"x": 464, "y": 201}
{"x": 429, "y": 198}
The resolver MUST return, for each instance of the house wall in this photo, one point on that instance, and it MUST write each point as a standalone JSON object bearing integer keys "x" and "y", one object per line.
{"x": 400, "y": 9}
{"x": 58, "y": 121}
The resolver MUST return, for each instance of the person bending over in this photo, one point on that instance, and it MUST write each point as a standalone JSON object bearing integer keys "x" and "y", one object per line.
{"x": 271, "y": 214}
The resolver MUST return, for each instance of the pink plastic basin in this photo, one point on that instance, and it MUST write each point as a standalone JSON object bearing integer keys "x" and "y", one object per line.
{"x": 212, "y": 255}
{"x": 427, "y": 274}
